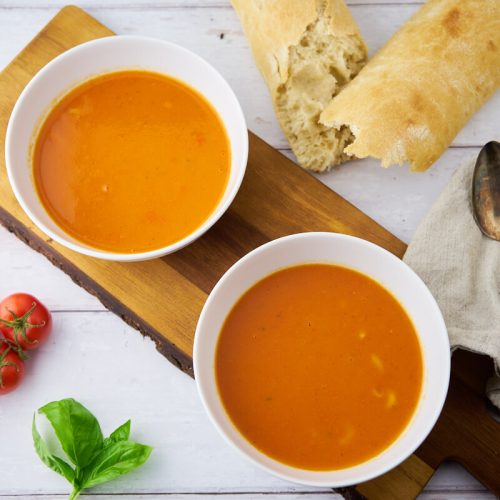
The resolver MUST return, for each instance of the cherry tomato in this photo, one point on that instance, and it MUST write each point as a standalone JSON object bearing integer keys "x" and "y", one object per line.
{"x": 11, "y": 369}
{"x": 24, "y": 321}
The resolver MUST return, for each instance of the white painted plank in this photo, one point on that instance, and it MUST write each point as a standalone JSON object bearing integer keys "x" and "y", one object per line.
{"x": 452, "y": 477}
{"x": 190, "y": 496}
{"x": 475, "y": 495}
{"x": 25, "y": 270}
{"x": 230, "y": 55}
{"x": 458, "y": 495}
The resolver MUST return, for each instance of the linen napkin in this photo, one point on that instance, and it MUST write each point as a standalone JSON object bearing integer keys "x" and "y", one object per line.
{"x": 461, "y": 267}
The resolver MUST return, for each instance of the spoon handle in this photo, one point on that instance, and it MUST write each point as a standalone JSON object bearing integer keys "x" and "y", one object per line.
{"x": 493, "y": 167}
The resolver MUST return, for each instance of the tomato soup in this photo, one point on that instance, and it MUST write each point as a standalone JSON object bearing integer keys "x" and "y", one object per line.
{"x": 131, "y": 161}
{"x": 319, "y": 367}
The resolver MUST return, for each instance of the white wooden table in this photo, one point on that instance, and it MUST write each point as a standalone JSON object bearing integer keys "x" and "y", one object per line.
{"x": 94, "y": 357}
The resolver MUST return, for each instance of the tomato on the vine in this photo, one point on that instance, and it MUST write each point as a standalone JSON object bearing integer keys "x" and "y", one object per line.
{"x": 24, "y": 321}
{"x": 11, "y": 368}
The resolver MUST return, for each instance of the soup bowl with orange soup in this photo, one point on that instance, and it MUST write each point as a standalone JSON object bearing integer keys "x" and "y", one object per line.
{"x": 126, "y": 148}
{"x": 323, "y": 358}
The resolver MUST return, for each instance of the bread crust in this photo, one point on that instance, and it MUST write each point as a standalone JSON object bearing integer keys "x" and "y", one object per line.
{"x": 306, "y": 51}
{"x": 273, "y": 26}
{"x": 410, "y": 101}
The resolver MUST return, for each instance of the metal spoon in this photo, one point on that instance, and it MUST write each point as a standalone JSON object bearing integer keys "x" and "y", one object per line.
{"x": 486, "y": 190}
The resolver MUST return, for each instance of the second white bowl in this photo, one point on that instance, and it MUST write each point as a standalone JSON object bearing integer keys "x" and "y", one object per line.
{"x": 369, "y": 259}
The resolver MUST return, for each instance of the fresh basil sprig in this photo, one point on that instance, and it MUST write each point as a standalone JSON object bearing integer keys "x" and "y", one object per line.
{"x": 96, "y": 459}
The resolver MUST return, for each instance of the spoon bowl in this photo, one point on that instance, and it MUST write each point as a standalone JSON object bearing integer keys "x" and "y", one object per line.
{"x": 486, "y": 190}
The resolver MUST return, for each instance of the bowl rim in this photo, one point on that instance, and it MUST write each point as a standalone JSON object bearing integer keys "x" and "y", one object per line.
{"x": 430, "y": 420}
{"x": 226, "y": 199}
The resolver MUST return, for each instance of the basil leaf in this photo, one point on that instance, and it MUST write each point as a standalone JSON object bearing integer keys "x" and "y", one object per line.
{"x": 114, "y": 461}
{"x": 76, "y": 428}
{"x": 97, "y": 460}
{"x": 55, "y": 463}
{"x": 121, "y": 433}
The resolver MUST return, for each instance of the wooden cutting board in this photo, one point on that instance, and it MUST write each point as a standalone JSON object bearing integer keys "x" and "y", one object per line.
{"x": 163, "y": 298}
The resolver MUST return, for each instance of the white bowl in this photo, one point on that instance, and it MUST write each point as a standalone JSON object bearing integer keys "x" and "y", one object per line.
{"x": 105, "y": 55}
{"x": 362, "y": 256}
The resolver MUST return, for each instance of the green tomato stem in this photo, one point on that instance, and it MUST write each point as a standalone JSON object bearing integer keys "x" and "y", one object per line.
{"x": 20, "y": 324}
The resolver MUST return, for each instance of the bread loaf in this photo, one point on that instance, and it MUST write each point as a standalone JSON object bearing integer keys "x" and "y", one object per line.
{"x": 307, "y": 50}
{"x": 409, "y": 102}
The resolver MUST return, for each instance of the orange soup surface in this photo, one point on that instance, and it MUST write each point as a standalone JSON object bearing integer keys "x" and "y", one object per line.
{"x": 131, "y": 161}
{"x": 319, "y": 367}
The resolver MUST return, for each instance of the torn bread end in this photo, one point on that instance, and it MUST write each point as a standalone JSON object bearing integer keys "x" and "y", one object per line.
{"x": 319, "y": 66}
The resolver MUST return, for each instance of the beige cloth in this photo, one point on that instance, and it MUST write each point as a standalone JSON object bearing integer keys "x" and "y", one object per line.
{"x": 461, "y": 267}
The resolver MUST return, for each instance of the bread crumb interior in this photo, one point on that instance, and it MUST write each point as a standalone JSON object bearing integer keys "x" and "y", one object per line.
{"x": 319, "y": 66}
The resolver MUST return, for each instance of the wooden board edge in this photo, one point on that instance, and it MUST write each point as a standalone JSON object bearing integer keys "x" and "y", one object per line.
{"x": 350, "y": 493}
{"x": 175, "y": 355}
{"x": 407, "y": 480}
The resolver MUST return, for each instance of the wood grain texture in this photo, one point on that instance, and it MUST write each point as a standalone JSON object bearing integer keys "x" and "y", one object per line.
{"x": 276, "y": 198}
{"x": 406, "y": 481}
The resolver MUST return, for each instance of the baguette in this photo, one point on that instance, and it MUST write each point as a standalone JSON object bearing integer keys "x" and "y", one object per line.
{"x": 306, "y": 50}
{"x": 410, "y": 101}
